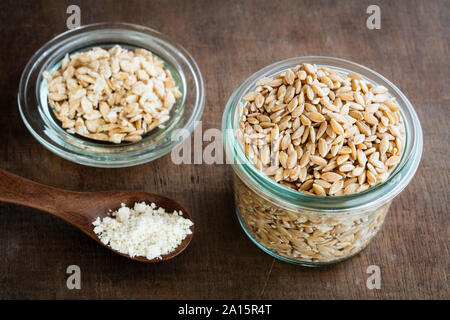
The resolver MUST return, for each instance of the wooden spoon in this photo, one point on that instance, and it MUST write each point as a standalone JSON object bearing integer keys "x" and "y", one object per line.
{"x": 81, "y": 208}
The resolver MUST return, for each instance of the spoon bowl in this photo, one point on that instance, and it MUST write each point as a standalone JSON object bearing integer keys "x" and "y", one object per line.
{"x": 81, "y": 209}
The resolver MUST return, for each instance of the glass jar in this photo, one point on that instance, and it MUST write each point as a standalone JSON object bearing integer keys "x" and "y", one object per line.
{"x": 43, "y": 125}
{"x": 307, "y": 229}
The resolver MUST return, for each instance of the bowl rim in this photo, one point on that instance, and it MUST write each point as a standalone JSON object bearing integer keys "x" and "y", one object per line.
{"x": 133, "y": 155}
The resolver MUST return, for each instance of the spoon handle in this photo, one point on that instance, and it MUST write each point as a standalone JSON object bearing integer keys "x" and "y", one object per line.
{"x": 21, "y": 191}
{"x": 77, "y": 208}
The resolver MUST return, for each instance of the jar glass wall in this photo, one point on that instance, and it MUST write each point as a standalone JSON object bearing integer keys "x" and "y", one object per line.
{"x": 307, "y": 229}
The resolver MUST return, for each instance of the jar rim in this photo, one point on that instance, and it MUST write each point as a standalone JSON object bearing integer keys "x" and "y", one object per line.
{"x": 35, "y": 113}
{"x": 292, "y": 199}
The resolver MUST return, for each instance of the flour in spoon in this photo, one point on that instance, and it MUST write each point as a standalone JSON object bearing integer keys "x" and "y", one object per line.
{"x": 143, "y": 230}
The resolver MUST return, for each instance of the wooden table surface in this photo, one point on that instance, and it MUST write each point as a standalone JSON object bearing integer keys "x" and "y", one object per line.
{"x": 230, "y": 40}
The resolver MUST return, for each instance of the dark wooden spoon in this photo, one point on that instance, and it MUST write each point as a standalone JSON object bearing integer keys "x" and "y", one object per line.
{"x": 81, "y": 208}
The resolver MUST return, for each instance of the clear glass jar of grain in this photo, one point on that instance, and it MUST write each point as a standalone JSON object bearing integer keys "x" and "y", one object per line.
{"x": 307, "y": 229}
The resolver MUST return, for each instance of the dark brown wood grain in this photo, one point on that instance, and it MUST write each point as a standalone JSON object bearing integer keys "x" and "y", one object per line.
{"x": 230, "y": 40}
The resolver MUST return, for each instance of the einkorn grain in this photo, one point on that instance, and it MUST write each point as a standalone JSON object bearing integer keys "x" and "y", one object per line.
{"x": 115, "y": 95}
{"x": 311, "y": 124}
{"x": 306, "y": 236}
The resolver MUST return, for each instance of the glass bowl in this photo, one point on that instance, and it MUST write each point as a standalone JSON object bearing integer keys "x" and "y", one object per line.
{"x": 307, "y": 229}
{"x": 43, "y": 125}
